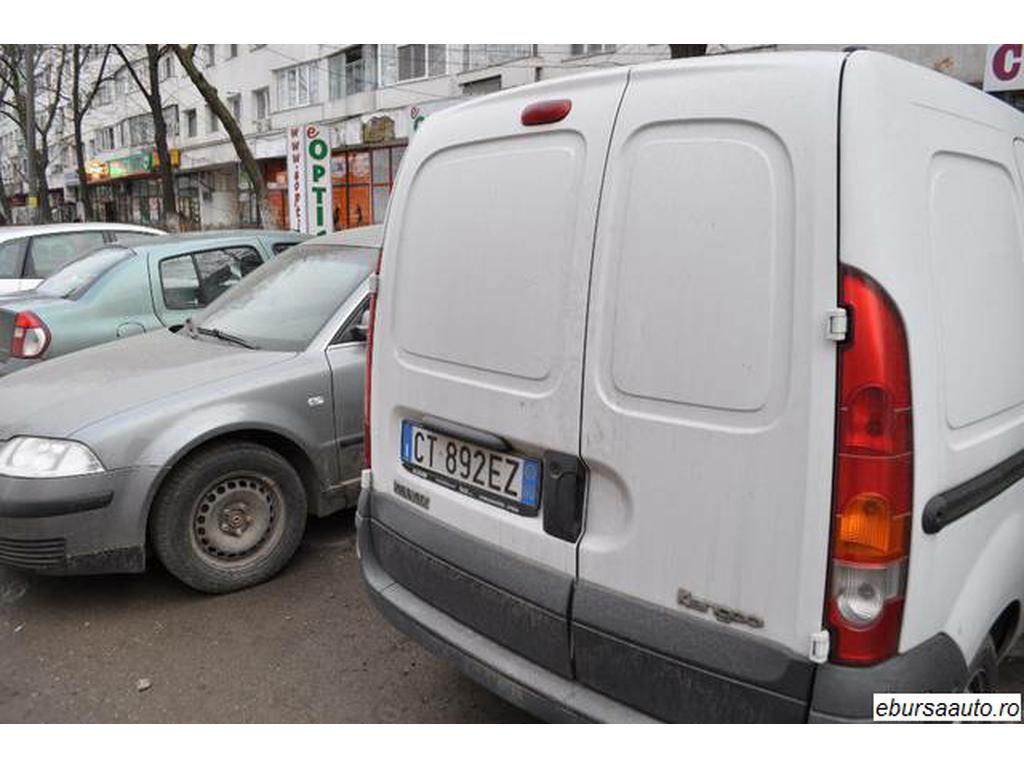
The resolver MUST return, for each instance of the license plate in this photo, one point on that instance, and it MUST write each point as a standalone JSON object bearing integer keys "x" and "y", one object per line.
{"x": 503, "y": 479}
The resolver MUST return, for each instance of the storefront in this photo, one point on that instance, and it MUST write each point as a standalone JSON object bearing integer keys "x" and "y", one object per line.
{"x": 275, "y": 177}
{"x": 127, "y": 189}
{"x": 362, "y": 178}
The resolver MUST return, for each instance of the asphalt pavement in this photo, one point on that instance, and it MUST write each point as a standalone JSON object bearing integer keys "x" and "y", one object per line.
{"x": 306, "y": 647}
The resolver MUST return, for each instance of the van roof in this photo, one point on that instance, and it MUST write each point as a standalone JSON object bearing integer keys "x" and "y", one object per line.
{"x": 733, "y": 61}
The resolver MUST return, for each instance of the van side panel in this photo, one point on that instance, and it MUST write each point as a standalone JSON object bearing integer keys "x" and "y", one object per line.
{"x": 933, "y": 208}
{"x": 709, "y": 391}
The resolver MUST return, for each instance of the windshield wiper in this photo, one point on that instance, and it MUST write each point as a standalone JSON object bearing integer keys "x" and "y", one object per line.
{"x": 217, "y": 333}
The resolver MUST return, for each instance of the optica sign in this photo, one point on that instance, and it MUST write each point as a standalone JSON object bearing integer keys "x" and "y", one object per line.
{"x": 1004, "y": 67}
{"x": 309, "y": 180}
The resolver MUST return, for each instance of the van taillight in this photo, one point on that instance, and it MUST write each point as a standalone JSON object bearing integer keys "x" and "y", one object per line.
{"x": 31, "y": 336}
{"x": 873, "y": 485}
{"x": 368, "y": 379}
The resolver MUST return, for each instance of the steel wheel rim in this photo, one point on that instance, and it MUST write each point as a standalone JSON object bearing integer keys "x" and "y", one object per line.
{"x": 237, "y": 519}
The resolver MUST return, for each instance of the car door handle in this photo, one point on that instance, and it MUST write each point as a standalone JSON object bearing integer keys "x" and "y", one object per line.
{"x": 130, "y": 329}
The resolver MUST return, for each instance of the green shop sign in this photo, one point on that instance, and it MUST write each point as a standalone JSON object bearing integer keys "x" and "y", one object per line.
{"x": 131, "y": 165}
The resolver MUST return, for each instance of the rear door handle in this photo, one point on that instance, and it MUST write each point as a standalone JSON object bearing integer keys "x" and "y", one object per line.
{"x": 564, "y": 488}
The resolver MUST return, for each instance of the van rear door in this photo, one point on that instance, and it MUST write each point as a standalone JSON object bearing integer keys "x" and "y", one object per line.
{"x": 478, "y": 355}
{"x": 708, "y": 407}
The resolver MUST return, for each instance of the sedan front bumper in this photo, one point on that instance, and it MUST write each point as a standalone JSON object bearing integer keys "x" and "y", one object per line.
{"x": 87, "y": 524}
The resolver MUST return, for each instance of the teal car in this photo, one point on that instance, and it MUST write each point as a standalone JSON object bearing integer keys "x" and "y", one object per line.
{"x": 128, "y": 288}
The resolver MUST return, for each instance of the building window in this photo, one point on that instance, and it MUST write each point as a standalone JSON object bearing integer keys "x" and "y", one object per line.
{"x": 210, "y": 54}
{"x": 480, "y": 87}
{"x": 580, "y": 49}
{"x": 418, "y": 61}
{"x": 191, "y": 123}
{"x": 232, "y": 51}
{"x": 362, "y": 182}
{"x": 139, "y": 130}
{"x": 437, "y": 60}
{"x": 412, "y": 62}
{"x": 297, "y": 86}
{"x": 124, "y": 82}
{"x": 166, "y": 67}
{"x": 171, "y": 120}
{"x": 261, "y": 103}
{"x": 480, "y": 56}
{"x": 212, "y": 121}
{"x": 105, "y": 139}
{"x": 234, "y": 103}
{"x": 352, "y": 71}
{"x": 103, "y": 96}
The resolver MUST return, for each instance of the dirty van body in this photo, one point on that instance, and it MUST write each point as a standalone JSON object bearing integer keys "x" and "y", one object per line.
{"x": 707, "y": 412}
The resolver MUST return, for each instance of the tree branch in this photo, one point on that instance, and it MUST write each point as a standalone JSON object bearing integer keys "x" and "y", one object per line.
{"x": 131, "y": 71}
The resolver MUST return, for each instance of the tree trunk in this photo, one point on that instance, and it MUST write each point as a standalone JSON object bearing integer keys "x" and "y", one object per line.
{"x": 186, "y": 55}
{"x": 5, "y": 209}
{"x": 42, "y": 187}
{"x": 29, "y": 132}
{"x": 84, "y": 192}
{"x": 160, "y": 138}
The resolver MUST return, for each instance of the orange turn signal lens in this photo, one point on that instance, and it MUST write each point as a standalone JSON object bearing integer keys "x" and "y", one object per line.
{"x": 869, "y": 530}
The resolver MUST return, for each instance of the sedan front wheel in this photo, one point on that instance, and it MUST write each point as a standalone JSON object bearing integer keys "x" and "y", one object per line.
{"x": 229, "y": 517}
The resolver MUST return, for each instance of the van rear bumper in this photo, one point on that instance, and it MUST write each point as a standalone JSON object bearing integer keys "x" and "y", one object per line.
{"x": 832, "y": 693}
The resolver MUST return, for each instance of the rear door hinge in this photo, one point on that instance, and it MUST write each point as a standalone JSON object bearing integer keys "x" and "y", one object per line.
{"x": 838, "y": 324}
{"x": 373, "y": 283}
{"x": 819, "y": 646}
{"x": 366, "y": 479}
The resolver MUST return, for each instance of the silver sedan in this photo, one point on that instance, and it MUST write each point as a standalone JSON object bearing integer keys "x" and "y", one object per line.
{"x": 211, "y": 444}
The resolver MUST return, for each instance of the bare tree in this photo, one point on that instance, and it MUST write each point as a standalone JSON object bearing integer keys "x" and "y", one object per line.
{"x": 5, "y": 209}
{"x": 35, "y": 118}
{"x": 151, "y": 93}
{"x": 186, "y": 55}
{"x": 82, "y": 98}
{"x": 687, "y": 50}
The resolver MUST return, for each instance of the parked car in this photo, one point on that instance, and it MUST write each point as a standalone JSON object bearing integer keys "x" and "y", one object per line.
{"x": 694, "y": 389}
{"x": 211, "y": 444}
{"x": 120, "y": 290}
{"x": 30, "y": 254}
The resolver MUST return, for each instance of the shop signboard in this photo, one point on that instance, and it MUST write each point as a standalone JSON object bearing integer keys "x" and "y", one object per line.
{"x": 1004, "y": 67}
{"x": 132, "y": 165}
{"x": 309, "y": 180}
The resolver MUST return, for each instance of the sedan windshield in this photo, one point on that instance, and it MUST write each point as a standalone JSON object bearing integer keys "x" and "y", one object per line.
{"x": 284, "y": 304}
{"x": 77, "y": 277}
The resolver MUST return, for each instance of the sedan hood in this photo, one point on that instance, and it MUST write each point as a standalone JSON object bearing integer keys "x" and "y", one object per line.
{"x": 61, "y": 396}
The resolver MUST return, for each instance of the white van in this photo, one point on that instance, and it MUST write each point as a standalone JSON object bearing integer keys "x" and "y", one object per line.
{"x": 30, "y": 254}
{"x": 696, "y": 389}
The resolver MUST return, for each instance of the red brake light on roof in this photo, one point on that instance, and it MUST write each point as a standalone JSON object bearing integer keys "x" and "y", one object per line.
{"x": 31, "y": 336}
{"x": 873, "y": 489}
{"x": 368, "y": 380}
{"x": 546, "y": 112}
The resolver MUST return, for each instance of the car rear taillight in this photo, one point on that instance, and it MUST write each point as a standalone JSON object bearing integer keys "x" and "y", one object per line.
{"x": 368, "y": 380}
{"x": 31, "y": 336}
{"x": 873, "y": 484}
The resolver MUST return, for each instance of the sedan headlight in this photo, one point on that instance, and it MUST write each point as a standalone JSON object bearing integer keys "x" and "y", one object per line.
{"x": 43, "y": 457}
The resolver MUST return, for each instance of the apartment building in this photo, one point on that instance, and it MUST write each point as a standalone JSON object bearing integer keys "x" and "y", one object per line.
{"x": 370, "y": 96}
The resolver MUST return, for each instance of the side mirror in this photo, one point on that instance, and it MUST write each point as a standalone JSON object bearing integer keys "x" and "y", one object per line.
{"x": 361, "y": 330}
